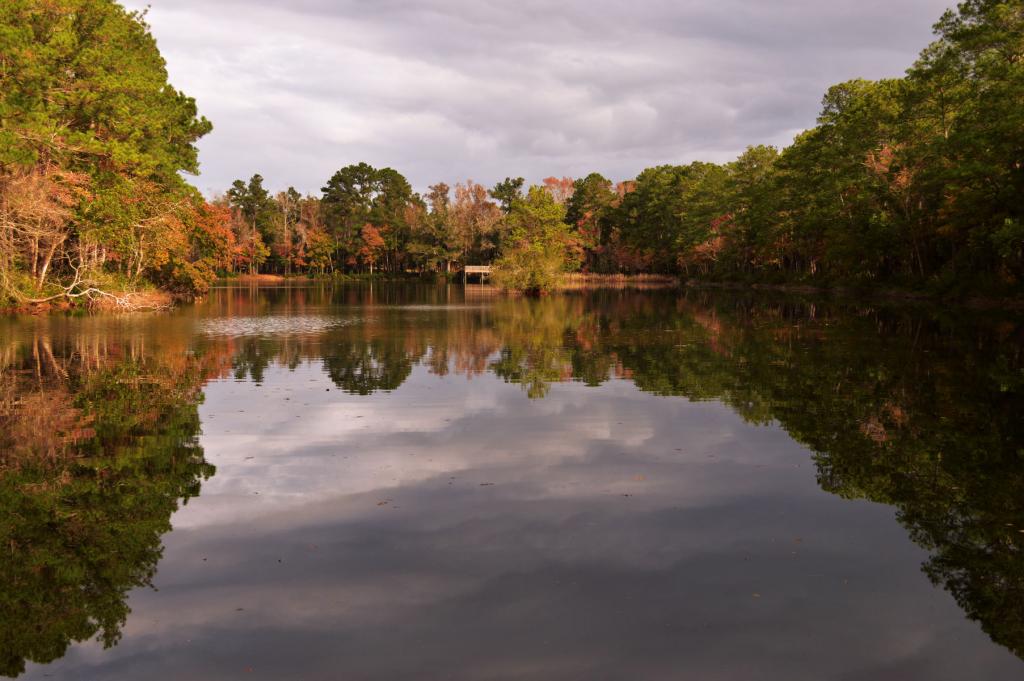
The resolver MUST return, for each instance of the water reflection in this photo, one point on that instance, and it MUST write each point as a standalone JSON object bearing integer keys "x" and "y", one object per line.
{"x": 913, "y": 409}
{"x": 98, "y": 447}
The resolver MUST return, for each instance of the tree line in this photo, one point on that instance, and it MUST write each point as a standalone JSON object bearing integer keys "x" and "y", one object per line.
{"x": 916, "y": 181}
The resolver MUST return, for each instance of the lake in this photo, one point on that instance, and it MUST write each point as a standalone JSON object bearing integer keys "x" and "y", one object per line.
{"x": 411, "y": 481}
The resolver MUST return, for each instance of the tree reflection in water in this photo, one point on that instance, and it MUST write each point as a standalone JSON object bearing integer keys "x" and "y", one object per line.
{"x": 911, "y": 408}
{"x": 99, "y": 442}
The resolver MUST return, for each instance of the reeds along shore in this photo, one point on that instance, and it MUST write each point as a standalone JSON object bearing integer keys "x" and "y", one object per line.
{"x": 576, "y": 281}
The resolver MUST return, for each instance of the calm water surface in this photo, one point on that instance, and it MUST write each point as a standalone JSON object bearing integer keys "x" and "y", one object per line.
{"x": 420, "y": 482}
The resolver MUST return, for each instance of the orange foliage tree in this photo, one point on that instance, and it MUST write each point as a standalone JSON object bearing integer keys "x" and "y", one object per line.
{"x": 372, "y": 245}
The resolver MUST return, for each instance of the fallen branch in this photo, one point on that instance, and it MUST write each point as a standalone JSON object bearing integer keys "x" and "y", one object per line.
{"x": 126, "y": 302}
{"x": 82, "y": 288}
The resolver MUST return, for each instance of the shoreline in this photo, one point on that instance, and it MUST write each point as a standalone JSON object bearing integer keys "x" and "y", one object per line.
{"x": 119, "y": 302}
{"x": 123, "y": 302}
{"x": 640, "y": 282}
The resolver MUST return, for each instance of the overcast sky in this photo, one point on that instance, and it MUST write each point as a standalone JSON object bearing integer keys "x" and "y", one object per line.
{"x": 482, "y": 89}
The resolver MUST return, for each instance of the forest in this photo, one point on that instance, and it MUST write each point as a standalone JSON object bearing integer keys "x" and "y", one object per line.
{"x": 914, "y": 182}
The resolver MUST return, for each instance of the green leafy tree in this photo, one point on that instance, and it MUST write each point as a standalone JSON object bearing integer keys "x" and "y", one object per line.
{"x": 360, "y": 194}
{"x": 84, "y": 94}
{"x": 390, "y": 213}
{"x": 347, "y": 201}
{"x": 749, "y": 189}
{"x": 535, "y": 254}
{"x": 507, "y": 192}
{"x": 433, "y": 241}
{"x": 256, "y": 214}
{"x": 587, "y": 211}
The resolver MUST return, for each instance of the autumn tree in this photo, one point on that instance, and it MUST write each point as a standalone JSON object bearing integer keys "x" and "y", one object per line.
{"x": 36, "y": 209}
{"x": 474, "y": 223}
{"x": 561, "y": 189}
{"x": 372, "y": 245}
{"x": 85, "y": 102}
{"x": 211, "y": 248}
{"x": 289, "y": 210}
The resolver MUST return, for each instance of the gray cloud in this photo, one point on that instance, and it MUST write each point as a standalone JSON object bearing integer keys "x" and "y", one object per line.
{"x": 452, "y": 89}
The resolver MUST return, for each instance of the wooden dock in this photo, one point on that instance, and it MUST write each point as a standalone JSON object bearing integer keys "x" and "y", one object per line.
{"x": 482, "y": 271}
